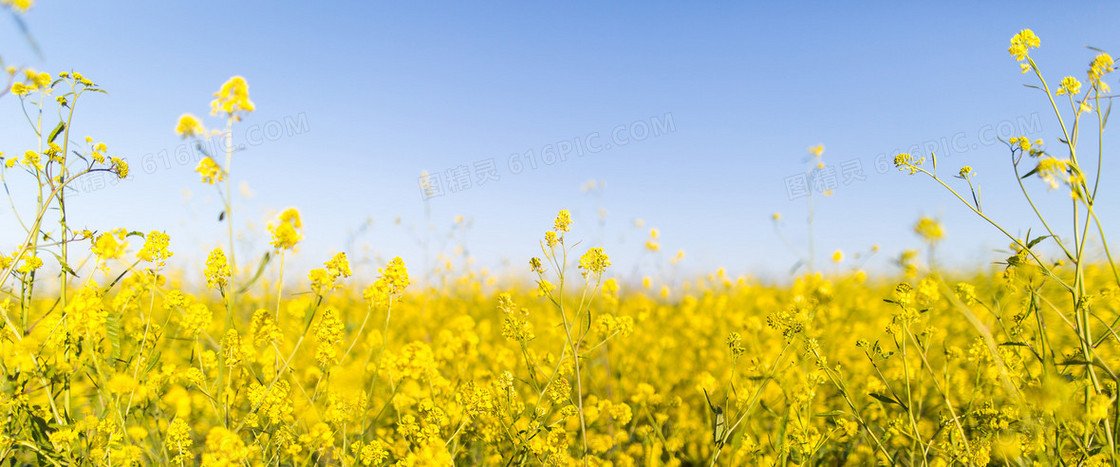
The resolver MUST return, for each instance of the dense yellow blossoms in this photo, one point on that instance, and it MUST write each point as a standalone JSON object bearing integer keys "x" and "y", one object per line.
{"x": 18, "y": 5}
{"x": 285, "y": 232}
{"x": 232, "y": 98}
{"x": 210, "y": 171}
{"x": 129, "y": 360}
{"x": 189, "y": 126}
{"x": 217, "y": 269}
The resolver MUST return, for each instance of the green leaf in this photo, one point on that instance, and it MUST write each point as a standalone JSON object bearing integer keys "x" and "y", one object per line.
{"x": 1032, "y": 172}
{"x": 887, "y": 400}
{"x": 65, "y": 267}
{"x": 1034, "y": 242}
{"x": 832, "y": 413}
{"x": 113, "y": 332}
{"x": 260, "y": 269}
{"x": 56, "y": 131}
{"x": 153, "y": 362}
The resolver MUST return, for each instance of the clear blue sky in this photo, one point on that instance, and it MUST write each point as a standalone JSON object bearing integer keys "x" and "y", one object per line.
{"x": 356, "y": 99}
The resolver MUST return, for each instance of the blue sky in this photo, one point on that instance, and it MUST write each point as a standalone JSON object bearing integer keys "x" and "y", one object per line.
{"x": 356, "y": 99}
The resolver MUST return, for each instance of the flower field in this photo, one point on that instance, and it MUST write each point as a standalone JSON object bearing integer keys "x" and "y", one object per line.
{"x": 111, "y": 355}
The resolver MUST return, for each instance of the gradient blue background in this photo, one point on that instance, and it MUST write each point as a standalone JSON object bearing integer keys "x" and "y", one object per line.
{"x": 388, "y": 90}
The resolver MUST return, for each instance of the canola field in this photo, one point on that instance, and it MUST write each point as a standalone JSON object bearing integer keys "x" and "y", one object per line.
{"x": 111, "y": 357}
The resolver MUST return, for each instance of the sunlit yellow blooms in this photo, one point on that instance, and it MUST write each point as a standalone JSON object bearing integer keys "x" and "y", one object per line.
{"x": 33, "y": 159}
{"x": 179, "y": 442}
{"x": 1070, "y": 86}
{"x": 837, "y": 256}
{"x": 98, "y": 151}
{"x": 119, "y": 167}
{"x": 285, "y": 232}
{"x": 30, "y": 264}
{"x": 338, "y": 266}
{"x": 1021, "y": 43}
{"x": 929, "y": 229}
{"x": 189, "y": 126}
{"x": 1052, "y": 171}
{"x": 272, "y": 403}
{"x": 224, "y": 449}
{"x": 218, "y": 270}
{"x": 907, "y": 163}
{"x": 817, "y": 150}
{"x": 263, "y": 328}
{"x": 233, "y": 97}
{"x": 563, "y": 222}
{"x": 155, "y": 248}
{"x": 86, "y": 312}
{"x": 328, "y": 334}
{"x": 21, "y": 89}
{"x": 18, "y": 5}
{"x": 594, "y": 262}
{"x": 1020, "y": 142}
{"x": 1101, "y": 65}
{"x": 43, "y": 80}
{"x": 196, "y": 318}
{"x": 210, "y": 171}
{"x": 235, "y": 350}
{"x": 610, "y": 325}
{"x": 396, "y": 275}
{"x": 966, "y": 293}
{"x": 369, "y": 454}
{"x": 322, "y": 280}
{"x": 415, "y": 361}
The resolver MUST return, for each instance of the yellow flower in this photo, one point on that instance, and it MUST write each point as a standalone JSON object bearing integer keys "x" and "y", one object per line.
{"x": 211, "y": 172}
{"x": 1052, "y": 170}
{"x": 284, "y": 233}
{"x": 33, "y": 159}
{"x": 224, "y": 447}
{"x": 906, "y": 162}
{"x": 109, "y": 245}
{"x": 322, "y": 280}
{"x": 837, "y": 256}
{"x": 1070, "y": 85}
{"x": 189, "y": 125}
{"x": 19, "y": 6}
{"x": 1022, "y": 42}
{"x": 21, "y": 89}
{"x": 338, "y": 266}
{"x": 155, "y": 248}
{"x": 328, "y": 334}
{"x": 43, "y": 80}
{"x": 217, "y": 269}
{"x": 1021, "y": 142}
{"x": 232, "y": 98}
{"x": 119, "y": 167}
{"x": 563, "y": 221}
{"x": 594, "y": 262}
{"x": 929, "y": 229}
{"x": 817, "y": 150}
{"x": 179, "y": 441}
{"x": 30, "y": 264}
{"x": 1100, "y": 65}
